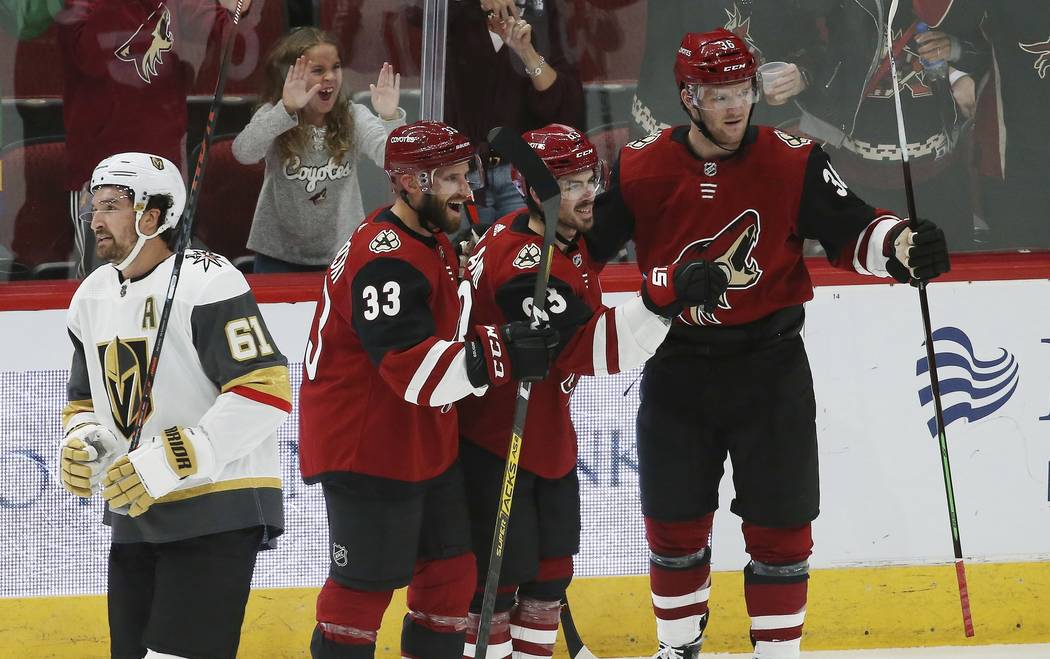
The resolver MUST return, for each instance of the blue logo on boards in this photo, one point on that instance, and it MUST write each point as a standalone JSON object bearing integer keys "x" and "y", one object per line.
{"x": 985, "y": 385}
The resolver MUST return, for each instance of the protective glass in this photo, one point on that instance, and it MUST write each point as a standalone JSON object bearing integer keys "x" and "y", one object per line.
{"x": 723, "y": 97}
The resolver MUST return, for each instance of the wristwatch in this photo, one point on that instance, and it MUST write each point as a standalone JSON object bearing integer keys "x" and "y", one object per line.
{"x": 535, "y": 72}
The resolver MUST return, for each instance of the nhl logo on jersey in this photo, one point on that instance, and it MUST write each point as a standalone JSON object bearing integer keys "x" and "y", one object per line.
{"x": 577, "y": 259}
{"x": 528, "y": 257}
{"x": 339, "y": 554}
{"x": 386, "y": 241}
{"x": 710, "y": 169}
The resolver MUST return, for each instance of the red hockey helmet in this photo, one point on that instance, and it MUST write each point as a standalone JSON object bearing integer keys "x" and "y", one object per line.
{"x": 717, "y": 57}
{"x": 421, "y": 147}
{"x": 564, "y": 150}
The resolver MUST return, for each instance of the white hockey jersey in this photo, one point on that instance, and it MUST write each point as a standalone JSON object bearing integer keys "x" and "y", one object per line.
{"x": 219, "y": 370}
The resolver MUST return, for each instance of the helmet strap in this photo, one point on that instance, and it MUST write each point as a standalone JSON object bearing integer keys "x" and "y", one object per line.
{"x": 140, "y": 243}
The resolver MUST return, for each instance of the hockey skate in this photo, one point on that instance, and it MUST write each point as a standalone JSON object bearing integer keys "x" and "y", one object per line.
{"x": 687, "y": 651}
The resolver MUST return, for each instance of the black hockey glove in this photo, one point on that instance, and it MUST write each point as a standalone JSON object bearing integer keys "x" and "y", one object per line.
{"x": 510, "y": 351}
{"x": 918, "y": 255}
{"x": 668, "y": 290}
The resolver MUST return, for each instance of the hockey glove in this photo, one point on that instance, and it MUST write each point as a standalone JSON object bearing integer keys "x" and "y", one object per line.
{"x": 157, "y": 467}
{"x": 668, "y": 290}
{"x": 510, "y": 351}
{"x": 85, "y": 454}
{"x": 918, "y": 255}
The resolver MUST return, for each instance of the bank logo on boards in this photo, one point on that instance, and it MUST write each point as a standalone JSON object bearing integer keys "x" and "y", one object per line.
{"x": 974, "y": 382}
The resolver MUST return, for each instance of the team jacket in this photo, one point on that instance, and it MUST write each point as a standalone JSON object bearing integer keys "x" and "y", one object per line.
{"x": 749, "y": 212}
{"x": 219, "y": 371}
{"x": 594, "y": 340}
{"x": 385, "y": 359}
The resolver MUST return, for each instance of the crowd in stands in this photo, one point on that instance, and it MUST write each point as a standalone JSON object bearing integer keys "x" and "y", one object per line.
{"x": 315, "y": 86}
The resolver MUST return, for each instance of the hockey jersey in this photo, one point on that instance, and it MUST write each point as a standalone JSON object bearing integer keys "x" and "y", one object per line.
{"x": 749, "y": 212}
{"x": 385, "y": 359}
{"x": 593, "y": 340}
{"x": 219, "y": 371}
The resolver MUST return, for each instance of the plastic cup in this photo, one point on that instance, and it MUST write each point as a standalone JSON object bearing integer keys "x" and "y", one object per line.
{"x": 768, "y": 74}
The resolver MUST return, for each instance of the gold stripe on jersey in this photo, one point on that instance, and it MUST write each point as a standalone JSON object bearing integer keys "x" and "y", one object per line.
{"x": 271, "y": 381}
{"x": 222, "y": 486}
{"x": 75, "y": 407}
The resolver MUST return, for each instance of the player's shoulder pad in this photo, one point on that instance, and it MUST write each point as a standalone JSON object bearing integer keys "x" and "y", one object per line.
{"x": 378, "y": 239}
{"x": 208, "y": 277}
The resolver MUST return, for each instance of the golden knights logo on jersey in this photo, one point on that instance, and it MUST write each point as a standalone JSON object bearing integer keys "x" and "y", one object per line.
{"x": 731, "y": 250}
{"x": 159, "y": 25}
{"x": 124, "y": 363}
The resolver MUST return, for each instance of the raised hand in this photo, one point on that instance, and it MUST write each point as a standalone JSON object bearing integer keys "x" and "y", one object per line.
{"x": 499, "y": 10}
{"x": 296, "y": 95}
{"x": 386, "y": 92}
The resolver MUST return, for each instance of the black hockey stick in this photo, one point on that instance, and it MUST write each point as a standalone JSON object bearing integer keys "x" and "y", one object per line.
{"x": 185, "y": 229}
{"x": 577, "y": 649}
{"x": 931, "y": 357}
{"x": 509, "y": 143}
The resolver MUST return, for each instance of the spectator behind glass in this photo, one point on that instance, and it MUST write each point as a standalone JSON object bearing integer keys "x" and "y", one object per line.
{"x": 761, "y": 24}
{"x": 311, "y": 136}
{"x": 1012, "y": 135}
{"x": 506, "y": 68}
{"x": 849, "y": 106}
{"x": 24, "y": 20}
{"x": 128, "y": 67}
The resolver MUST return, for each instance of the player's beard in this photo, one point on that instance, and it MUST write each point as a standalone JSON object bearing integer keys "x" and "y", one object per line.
{"x": 581, "y": 217}
{"x": 109, "y": 248}
{"x": 436, "y": 215}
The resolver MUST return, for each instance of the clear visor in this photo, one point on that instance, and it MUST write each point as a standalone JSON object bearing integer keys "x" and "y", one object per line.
{"x": 89, "y": 207}
{"x": 461, "y": 178}
{"x": 724, "y": 97}
{"x": 573, "y": 189}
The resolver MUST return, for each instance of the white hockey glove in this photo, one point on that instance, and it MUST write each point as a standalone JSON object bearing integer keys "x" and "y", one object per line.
{"x": 85, "y": 454}
{"x": 156, "y": 468}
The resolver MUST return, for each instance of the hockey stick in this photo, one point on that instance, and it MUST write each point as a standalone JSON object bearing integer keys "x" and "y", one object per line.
{"x": 577, "y": 649}
{"x": 942, "y": 438}
{"x": 185, "y": 230}
{"x": 509, "y": 143}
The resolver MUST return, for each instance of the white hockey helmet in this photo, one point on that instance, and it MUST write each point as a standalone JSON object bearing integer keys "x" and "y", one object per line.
{"x": 144, "y": 175}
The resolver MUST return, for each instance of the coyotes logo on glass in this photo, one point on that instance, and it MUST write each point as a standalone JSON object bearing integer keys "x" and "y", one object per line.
{"x": 731, "y": 250}
{"x": 147, "y": 53}
{"x": 124, "y": 363}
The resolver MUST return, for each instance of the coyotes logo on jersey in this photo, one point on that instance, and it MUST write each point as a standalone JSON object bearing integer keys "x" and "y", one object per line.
{"x": 731, "y": 248}
{"x": 1042, "y": 49}
{"x": 159, "y": 24}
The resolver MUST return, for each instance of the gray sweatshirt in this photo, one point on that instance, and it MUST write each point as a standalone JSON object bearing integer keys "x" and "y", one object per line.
{"x": 309, "y": 204}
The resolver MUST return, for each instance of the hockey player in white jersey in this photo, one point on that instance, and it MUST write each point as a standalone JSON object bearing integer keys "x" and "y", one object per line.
{"x": 201, "y": 495}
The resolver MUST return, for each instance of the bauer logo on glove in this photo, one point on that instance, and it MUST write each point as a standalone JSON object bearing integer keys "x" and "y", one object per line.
{"x": 158, "y": 467}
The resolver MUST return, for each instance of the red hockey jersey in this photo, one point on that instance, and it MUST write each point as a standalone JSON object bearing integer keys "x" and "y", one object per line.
{"x": 750, "y": 212}
{"x": 593, "y": 340}
{"x": 384, "y": 363}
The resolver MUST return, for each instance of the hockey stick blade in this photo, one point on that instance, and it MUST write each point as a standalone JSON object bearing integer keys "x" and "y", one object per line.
{"x": 509, "y": 143}
{"x": 575, "y": 645}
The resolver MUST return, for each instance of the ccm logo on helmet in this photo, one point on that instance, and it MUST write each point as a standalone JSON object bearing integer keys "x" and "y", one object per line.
{"x": 734, "y": 67}
{"x": 496, "y": 349}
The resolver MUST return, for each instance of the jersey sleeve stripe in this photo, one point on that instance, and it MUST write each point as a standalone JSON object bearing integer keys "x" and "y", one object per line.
{"x": 598, "y": 351}
{"x": 267, "y": 385}
{"x": 424, "y": 371}
{"x": 867, "y": 257}
{"x": 443, "y": 377}
{"x": 75, "y": 407}
{"x": 612, "y": 343}
{"x": 262, "y": 397}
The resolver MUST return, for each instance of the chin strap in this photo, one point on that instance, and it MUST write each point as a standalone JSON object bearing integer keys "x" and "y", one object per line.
{"x": 139, "y": 244}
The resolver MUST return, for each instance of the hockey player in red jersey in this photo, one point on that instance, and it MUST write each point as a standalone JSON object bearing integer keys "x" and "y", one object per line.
{"x": 385, "y": 361}
{"x": 735, "y": 378}
{"x": 544, "y": 531}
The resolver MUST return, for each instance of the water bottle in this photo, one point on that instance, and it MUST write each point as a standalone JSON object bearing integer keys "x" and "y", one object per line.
{"x": 936, "y": 70}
